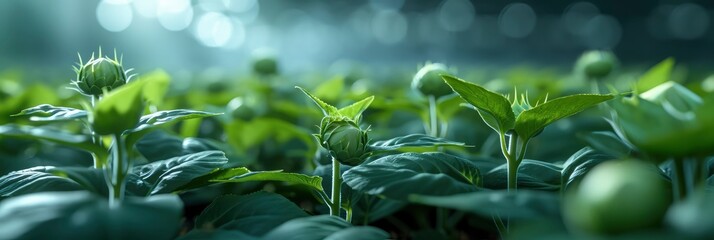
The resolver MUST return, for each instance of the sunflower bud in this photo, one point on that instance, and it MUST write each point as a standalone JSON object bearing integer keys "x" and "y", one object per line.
{"x": 265, "y": 66}
{"x": 99, "y": 75}
{"x": 240, "y": 109}
{"x": 596, "y": 64}
{"x": 428, "y": 80}
{"x": 345, "y": 141}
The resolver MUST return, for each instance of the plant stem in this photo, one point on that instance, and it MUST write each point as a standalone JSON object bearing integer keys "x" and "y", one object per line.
{"x": 348, "y": 217}
{"x": 336, "y": 202}
{"x": 679, "y": 180}
{"x": 512, "y": 163}
{"x": 119, "y": 170}
{"x": 96, "y": 139}
{"x": 433, "y": 131}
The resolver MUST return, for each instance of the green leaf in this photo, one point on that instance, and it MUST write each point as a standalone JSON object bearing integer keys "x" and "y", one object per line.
{"x": 398, "y": 176}
{"x": 156, "y": 87}
{"x": 208, "y": 179}
{"x": 254, "y": 214}
{"x": 169, "y": 175}
{"x": 532, "y": 174}
{"x": 521, "y": 205}
{"x": 355, "y": 110}
{"x": 84, "y": 215}
{"x": 217, "y": 235}
{"x": 327, "y": 109}
{"x": 150, "y": 121}
{"x": 607, "y": 142}
{"x": 120, "y": 109}
{"x": 579, "y": 164}
{"x": 323, "y": 227}
{"x": 314, "y": 182}
{"x": 494, "y": 108}
{"x": 532, "y": 121}
{"x": 49, "y": 113}
{"x": 32, "y": 180}
{"x": 331, "y": 90}
{"x": 413, "y": 143}
{"x": 83, "y": 142}
{"x": 656, "y": 75}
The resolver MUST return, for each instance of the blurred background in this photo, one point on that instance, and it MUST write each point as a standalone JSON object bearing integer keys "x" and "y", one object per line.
{"x": 309, "y": 35}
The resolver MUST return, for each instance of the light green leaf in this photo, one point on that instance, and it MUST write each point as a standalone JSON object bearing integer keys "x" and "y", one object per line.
{"x": 398, "y": 176}
{"x": 521, "y": 205}
{"x": 327, "y": 109}
{"x": 532, "y": 121}
{"x": 169, "y": 175}
{"x": 49, "y": 113}
{"x": 331, "y": 90}
{"x": 84, "y": 215}
{"x": 413, "y": 143}
{"x": 156, "y": 87}
{"x": 656, "y": 75}
{"x": 355, "y": 110}
{"x": 36, "y": 179}
{"x": 120, "y": 109}
{"x": 254, "y": 214}
{"x": 314, "y": 182}
{"x": 83, "y": 142}
{"x": 323, "y": 227}
{"x": 494, "y": 108}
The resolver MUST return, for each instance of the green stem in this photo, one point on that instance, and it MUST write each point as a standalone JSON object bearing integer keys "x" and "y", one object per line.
{"x": 433, "y": 131}
{"x": 349, "y": 215}
{"x": 96, "y": 139}
{"x": 701, "y": 172}
{"x": 512, "y": 163}
{"x": 502, "y": 229}
{"x": 335, "y": 203}
{"x": 441, "y": 216}
{"x": 679, "y": 180}
{"x": 119, "y": 169}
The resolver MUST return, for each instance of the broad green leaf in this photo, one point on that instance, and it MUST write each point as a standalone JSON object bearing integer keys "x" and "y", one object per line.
{"x": 84, "y": 215}
{"x": 371, "y": 208}
{"x": 208, "y": 179}
{"x": 254, "y": 214}
{"x": 159, "y": 145}
{"x": 607, "y": 142}
{"x": 323, "y": 227}
{"x": 83, "y": 142}
{"x": 156, "y": 86}
{"x": 519, "y": 205}
{"x": 579, "y": 164}
{"x": 169, "y": 175}
{"x": 532, "y": 174}
{"x": 354, "y": 111}
{"x": 533, "y": 120}
{"x": 494, "y": 108}
{"x": 314, "y": 182}
{"x": 169, "y": 116}
{"x": 91, "y": 179}
{"x": 656, "y": 75}
{"x": 49, "y": 113}
{"x": 120, "y": 109}
{"x": 327, "y": 109}
{"x": 217, "y": 235}
{"x": 413, "y": 143}
{"x": 32, "y": 180}
{"x": 398, "y": 176}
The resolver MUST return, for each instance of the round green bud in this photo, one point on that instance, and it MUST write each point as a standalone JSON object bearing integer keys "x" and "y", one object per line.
{"x": 239, "y": 109}
{"x": 99, "y": 75}
{"x": 618, "y": 196}
{"x": 428, "y": 80}
{"x": 596, "y": 64}
{"x": 265, "y": 66}
{"x": 345, "y": 141}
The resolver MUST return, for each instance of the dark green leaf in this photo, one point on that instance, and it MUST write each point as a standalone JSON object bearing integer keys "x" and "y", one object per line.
{"x": 412, "y": 143}
{"x": 607, "y": 142}
{"x": 254, "y": 214}
{"x": 656, "y": 75}
{"x": 494, "y": 108}
{"x": 169, "y": 175}
{"x": 323, "y": 227}
{"x": 83, "y": 215}
{"x": 533, "y": 120}
{"x": 208, "y": 179}
{"x": 83, "y": 142}
{"x": 49, "y": 113}
{"x": 522, "y": 204}
{"x": 532, "y": 174}
{"x": 398, "y": 176}
{"x": 32, "y": 180}
{"x": 217, "y": 235}
{"x": 579, "y": 164}
{"x": 169, "y": 116}
{"x": 314, "y": 182}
